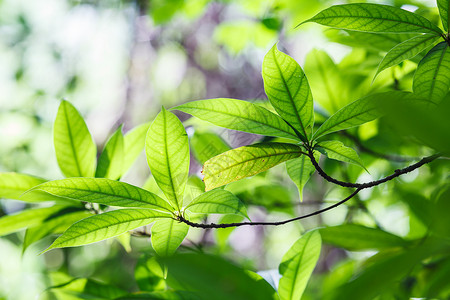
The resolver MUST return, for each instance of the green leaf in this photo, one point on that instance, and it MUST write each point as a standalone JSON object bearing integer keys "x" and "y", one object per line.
{"x": 26, "y": 218}
{"x": 337, "y": 150}
{"x": 288, "y": 90}
{"x": 356, "y": 237}
{"x": 206, "y": 145}
{"x": 110, "y": 163}
{"x": 104, "y": 226}
{"x": 149, "y": 274}
{"x": 133, "y": 143}
{"x": 167, "y": 150}
{"x": 161, "y": 295}
{"x": 104, "y": 191}
{"x": 239, "y": 115}
{"x": 298, "y": 264}
{"x": 406, "y": 50}
{"x": 300, "y": 170}
{"x": 218, "y": 202}
{"x": 370, "y": 17}
{"x": 246, "y": 161}
{"x": 443, "y": 6}
{"x": 75, "y": 150}
{"x": 354, "y": 114}
{"x": 213, "y": 277}
{"x": 54, "y": 224}
{"x": 13, "y": 185}
{"x": 167, "y": 236}
{"x": 432, "y": 79}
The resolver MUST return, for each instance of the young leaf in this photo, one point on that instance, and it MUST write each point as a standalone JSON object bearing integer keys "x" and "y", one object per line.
{"x": 406, "y": 50}
{"x": 104, "y": 191}
{"x": 54, "y": 224}
{"x": 110, "y": 163}
{"x": 246, "y": 161}
{"x": 288, "y": 90}
{"x": 217, "y": 202}
{"x": 432, "y": 79}
{"x": 298, "y": 264}
{"x": 371, "y": 17}
{"x": 13, "y": 185}
{"x": 354, "y": 114}
{"x": 75, "y": 150}
{"x": 300, "y": 170}
{"x": 26, "y": 218}
{"x": 443, "y": 6}
{"x": 167, "y": 150}
{"x": 337, "y": 150}
{"x": 356, "y": 237}
{"x": 104, "y": 226}
{"x": 206, "y": 145}
{"x": 133, "y": 144}
{"x": 167, "y": 236}
{"x": 239, "y": 115}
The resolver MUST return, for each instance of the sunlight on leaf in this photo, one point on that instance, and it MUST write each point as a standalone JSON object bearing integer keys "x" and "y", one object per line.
{"x": 110, "y": 163}
{"x": 337, "y": 150}
{"x": 167, "y": 236}
{"x": 218, "y": 202}
{"x": 300, "y": 170}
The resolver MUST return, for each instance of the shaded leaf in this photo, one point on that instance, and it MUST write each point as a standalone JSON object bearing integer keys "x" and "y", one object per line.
{"x": 162, "y": 295}
{"x": 298, "y": 264}
{"x": 288, "y": 90}
{"x": 167, "y": 150}
{"x": 218, "y": 202}
{"x": 239, "y": 115}
{"x": 206, "y": 145}
{"x": 75, "y": 150}
{"x": 149, "y": 274}
{"x": 300, "y": 170}
{"x": 104, "y": 226}
{"x": 246, "y": 161}
{"x": 104, "y": 191}
{"x": 443, "y": 6}
{"x": 370, "y": 17}
{"x": 167, "y": 236}
{"x": 432, "y": 79}
{"x": 337, "y": 150}
{"x": 208, "y": 275}
{"x": 406, "y": 50}
{"x": 356, "y": 237}
{"x": 110, "y": 162}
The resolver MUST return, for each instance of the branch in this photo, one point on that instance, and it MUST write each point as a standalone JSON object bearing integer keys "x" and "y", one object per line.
{"x": 358, "y": 186}
{"x": 369, "y": 184}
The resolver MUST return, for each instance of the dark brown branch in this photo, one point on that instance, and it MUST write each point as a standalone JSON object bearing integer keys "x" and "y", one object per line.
{"x": 213, "y": 225}
{"x": 358, "y": 186}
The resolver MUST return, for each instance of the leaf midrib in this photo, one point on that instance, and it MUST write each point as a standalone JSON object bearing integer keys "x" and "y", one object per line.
{"x": 72, "y": 146}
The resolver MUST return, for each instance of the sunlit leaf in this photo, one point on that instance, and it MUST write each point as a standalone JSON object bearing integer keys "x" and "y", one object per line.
{"x": 14, "y": 185}
{"x": 110, "y": 163}
{"x": 133, "y": 143}
{"x": 300, "y": 170}
{"x": 206, "y": 145}
{"x": 288, "y": 90}
{"x": 337, "y": 150}
{"x": 239, "y": 115}
{"x": 356, "y": 237}
{"x": 298, "y": 264}
{"x": 217, "y": 202}
{"x": 167, "y": 150}
{"x": 104, "y": 191}
{"x": 432, "y": 79}
{"x": 106, "y": 225}
{"x": 167, "y": 236}
{"x": 54, "y": 224}
{"x": 26, "y": 218}
{"x": 406, "y": 50}
{"x": 246, "y": 161}
{"x": 75, "y": 150}
{"x": 443, "y": 6}
{"x": 373, "y": 18}
{"x": 215, "y": 278}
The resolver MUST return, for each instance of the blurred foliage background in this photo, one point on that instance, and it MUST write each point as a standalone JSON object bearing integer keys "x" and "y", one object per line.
{"x": 119, "y": 61}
